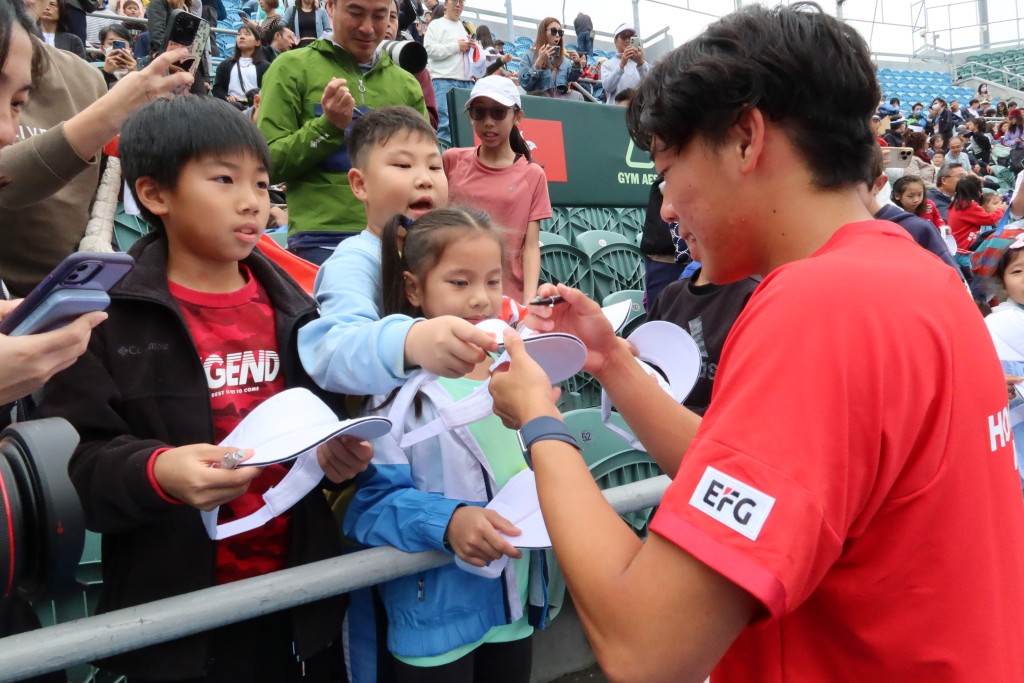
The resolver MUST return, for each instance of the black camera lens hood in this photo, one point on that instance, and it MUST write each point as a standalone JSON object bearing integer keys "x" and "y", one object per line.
{"x": 37, "y": 453}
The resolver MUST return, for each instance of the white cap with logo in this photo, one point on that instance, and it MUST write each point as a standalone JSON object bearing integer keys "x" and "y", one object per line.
{"x": 624, "y": 27}
{"x": 498, "y": 88}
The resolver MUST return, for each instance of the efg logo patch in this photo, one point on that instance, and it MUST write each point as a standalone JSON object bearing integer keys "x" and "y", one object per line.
{"x": 739, "y": 506}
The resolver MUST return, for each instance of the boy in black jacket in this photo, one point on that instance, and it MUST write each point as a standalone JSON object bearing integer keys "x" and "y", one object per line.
{"x": 199, "y": 333}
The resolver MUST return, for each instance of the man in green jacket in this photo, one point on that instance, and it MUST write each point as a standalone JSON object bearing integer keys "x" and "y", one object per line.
{"x": 308, "y": 100}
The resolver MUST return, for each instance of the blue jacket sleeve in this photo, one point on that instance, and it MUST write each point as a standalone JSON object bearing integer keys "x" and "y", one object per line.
{"x": 387, "y": 510}
{"x": 528, "y": 75}
{"x": 350, "y": 349}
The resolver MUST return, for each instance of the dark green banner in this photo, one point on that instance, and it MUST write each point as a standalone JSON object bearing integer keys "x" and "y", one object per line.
{"x": 586, "y": 153}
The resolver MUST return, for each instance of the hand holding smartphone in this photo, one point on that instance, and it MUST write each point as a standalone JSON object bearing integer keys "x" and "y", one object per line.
{"x": 77, "y": 286}
{"x": 188, "y": 30}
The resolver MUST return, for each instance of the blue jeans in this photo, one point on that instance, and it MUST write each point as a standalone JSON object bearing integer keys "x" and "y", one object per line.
{"x": 441, "y": 88}
{"x": 585, "y": 43}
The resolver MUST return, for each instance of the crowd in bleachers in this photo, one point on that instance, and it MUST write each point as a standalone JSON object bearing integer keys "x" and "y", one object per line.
{"x": 395, "y": 253}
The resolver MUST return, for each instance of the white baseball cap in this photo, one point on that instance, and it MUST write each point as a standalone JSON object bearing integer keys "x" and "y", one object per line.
{"x": 498, "y": 88}
{"x": 624, "y": 27}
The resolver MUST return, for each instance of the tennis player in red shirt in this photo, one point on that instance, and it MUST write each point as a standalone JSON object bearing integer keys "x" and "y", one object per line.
{"x": 848, "y": 509}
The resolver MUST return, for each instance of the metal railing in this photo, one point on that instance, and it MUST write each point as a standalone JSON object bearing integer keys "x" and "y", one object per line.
{"x": 992, "y": 73}
{"x": 92, "y": 638}
{"x": 131, "y": 20}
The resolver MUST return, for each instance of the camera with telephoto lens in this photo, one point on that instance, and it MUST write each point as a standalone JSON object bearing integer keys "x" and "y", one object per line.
{"x": 407, "y": 54}
{"x": 42, "y": 529}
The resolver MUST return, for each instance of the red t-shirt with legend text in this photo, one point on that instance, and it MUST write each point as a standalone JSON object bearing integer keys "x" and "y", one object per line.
{"x": 236, "y": 338}
{"x": 855, "y": 474}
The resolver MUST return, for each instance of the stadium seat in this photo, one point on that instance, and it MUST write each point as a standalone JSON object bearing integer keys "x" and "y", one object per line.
{"x": 551, "y": 238}
{"x": 592, "y": 240}
{"x": 615, "y": 268}
{"x": 610, "y": 459}
{"x": 566, "y": 264}
{"x": 127, "y": 229}
{"x": 637, "y": 314}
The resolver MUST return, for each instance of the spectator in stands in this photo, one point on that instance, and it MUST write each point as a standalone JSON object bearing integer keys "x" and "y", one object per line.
{"x": 583, "y": 25}
{"x": 935, "y": 146}
{"x": 973, "y": 109}
{"x": 279, "y": 39}
{"x": 499, "y": 176}
{"x": 624, "y": 97}
{"x": 983, "y": 91}
{"x": 243, "y": 72}
{"x": 118, "y": 61}
{"x": 919, "y": 226}
{"x": 956, "y": 116}
{"x": 53, "y": 171}
{"x": 894, "y": 136}
{"x": 159, "y": 23}
{"x": 979, "y": 147}
{"x": 422, "y": 76}
{"x": 307, "y": 20}
{"x": 1001, "y": 130}
{"x": 967, "y": 215}
{"x": 876, "y": 130}
{"x": 272, "y": 19}
{"x": 946, "y": 179}
{"x": 920, "y": 165}
{"x": 493, "y": 55}
{"x": 665, "y": 254}
{"x": 942, "y": 121}
{"x": 1001, "y": 109}
{"x": 956, "y": 154}
{"x": 548, "y": 68}
{"x": 447, "y": 41}
{"x": 1014, "y": 135}
{"x": 591, "y": 78}
{"x": 54, "y": 25}
{"x": 307, "y": 142}
{"x": 918, "y": 120}
{"x": 808, "y": 567}
{"x": 28, "y": 362}
{"x": 627, "y": 68}
{"x": 908, "y": 194}
{"x": 408, "y": 11}
{"x": 147, "y": 464}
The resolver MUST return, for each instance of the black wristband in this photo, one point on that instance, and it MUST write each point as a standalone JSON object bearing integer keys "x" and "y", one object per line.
{"x": 543, "y": 429}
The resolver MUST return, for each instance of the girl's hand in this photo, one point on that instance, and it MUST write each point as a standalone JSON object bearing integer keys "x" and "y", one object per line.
{"x": 474, "y": 533}
{"x": 447, "y": 346}
{"x": 342, "y": 458}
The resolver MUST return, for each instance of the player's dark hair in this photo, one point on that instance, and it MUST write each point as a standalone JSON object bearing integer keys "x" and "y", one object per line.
{"x": 791, "y": 63}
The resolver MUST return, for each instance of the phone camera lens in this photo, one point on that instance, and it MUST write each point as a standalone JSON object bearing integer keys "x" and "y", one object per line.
{"x": 82, "y": 267}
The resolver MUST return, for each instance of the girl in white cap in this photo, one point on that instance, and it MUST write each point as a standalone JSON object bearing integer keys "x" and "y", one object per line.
{"x": 499, "y": 177}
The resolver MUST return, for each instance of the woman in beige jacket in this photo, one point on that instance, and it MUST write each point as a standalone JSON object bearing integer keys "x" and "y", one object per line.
{"x": 920, "y": 165}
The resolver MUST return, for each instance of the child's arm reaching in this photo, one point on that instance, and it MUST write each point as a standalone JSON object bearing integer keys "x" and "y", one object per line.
{"x": 446, "y": 346}
{"x": 350, "y": 349}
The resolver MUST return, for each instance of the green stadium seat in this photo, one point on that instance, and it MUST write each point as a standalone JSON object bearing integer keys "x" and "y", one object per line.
{"x": 551, "y": 238}
{"x": 616, "y": 267}
{"x": 127, "y": 229}
{"x": 637, "y": 314}
{"x": 593, "y": 240}
{"x": 564, "y": 263}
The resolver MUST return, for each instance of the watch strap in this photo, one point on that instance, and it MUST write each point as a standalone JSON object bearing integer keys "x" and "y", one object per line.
{"x": 543, "y": 428}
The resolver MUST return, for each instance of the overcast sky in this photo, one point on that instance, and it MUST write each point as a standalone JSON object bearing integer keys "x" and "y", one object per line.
{"x": 893, "y": 30}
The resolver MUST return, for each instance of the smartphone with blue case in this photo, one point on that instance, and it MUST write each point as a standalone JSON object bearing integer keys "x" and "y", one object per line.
{"x": 77, "y": 286}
